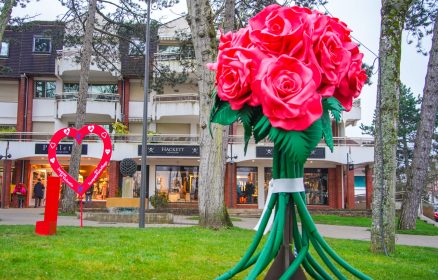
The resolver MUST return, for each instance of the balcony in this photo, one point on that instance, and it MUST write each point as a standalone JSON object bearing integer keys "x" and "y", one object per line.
{"x": 354, "y": 115}
{"x": 177, "y": 106}
{"x": 105, "y": 105}
{"x": 8, "y": 113}
{"x": 68, "y": 67}
{"x": 360, "y": 150}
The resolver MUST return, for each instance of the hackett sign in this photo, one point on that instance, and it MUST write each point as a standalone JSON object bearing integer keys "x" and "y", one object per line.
{"x": 171, "y": 150}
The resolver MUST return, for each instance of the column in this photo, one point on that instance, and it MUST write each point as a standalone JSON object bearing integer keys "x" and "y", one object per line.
{"x": 113, "y": 182}
{"x": 350, "y": 188}
{"x": 229, "y": 183}
{"x": 6, "y": 184}
{"x": 29, "y": 109}
{"x": 126, "y": 99}
{"x": 368, "y": 185}
{"x": 332, "y": 188}
{"x": 339, "y": 186}
{"x": 21, "y": 104}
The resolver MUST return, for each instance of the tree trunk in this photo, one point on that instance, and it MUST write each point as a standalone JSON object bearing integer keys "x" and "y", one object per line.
{"x": 393, "y": 15}
{"x": 68, "y": 201}
{"x": 228, "y": 24}
{"x": 5, "y": 16}
{"x": 212, "y": 210}
{"x": 418, "y": 172}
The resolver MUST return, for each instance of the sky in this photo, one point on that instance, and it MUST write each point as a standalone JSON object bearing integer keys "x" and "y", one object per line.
{"x": 362, "y": 17}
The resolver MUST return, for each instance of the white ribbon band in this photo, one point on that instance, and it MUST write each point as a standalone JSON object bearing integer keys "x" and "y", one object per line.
{"x": 287, "y": 185}
{"x": 277, "y": 186}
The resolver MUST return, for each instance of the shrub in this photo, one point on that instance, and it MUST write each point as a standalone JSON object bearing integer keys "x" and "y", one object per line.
{"x": 159, "y": 200}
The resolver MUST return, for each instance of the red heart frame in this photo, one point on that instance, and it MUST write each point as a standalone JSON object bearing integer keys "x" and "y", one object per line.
{"x": 78, "y": 135}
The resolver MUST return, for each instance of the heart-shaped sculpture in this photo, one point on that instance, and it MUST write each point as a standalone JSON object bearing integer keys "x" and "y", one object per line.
{"x": 78, "y": 135}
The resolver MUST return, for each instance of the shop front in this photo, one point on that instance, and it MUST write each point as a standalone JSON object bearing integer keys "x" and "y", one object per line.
{"x": 173, "y": 172}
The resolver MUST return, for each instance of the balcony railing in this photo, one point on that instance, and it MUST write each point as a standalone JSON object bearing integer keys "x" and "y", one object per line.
{"x": 92, "y": 96}
{"x": 166, "y": 139}
{"x": 192, "y": 97}
{"x": 116, "y": 138}
{"x": 338, "y": 141}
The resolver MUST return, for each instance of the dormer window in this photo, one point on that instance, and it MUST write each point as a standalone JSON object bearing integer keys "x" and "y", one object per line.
{"x": 4, "y": 49}
{"x": 42, "y": 44}
{"x": 136, "y": 47}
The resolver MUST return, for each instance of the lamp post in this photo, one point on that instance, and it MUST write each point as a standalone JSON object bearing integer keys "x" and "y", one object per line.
{"x": 144, "y": 184}
{"x": 231, "y": 174}
{"x": 4, "y": 187}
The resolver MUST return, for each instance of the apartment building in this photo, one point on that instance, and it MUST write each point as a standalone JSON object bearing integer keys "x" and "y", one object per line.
{"x": 38, "y": 97}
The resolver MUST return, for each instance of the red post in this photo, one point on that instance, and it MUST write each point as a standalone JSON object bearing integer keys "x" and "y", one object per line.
{"x": 48, "y": 226}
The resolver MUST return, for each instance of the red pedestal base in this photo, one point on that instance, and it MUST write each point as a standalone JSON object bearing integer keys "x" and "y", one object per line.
{"x": 48, "y": 226}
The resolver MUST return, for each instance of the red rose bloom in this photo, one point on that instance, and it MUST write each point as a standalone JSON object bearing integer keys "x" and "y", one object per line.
{"x": 287, "y": 90}
{"x": 333, "y": 59}
{"x": 236, "y": 68}
{"x": 281, "y": 30}
{"x": 239, "y": 39}
{"x": 351, "y": 86}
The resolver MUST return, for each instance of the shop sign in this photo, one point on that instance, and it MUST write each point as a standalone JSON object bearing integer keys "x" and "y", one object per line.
{"x": 267, "y": 152}
{"x": 61, "y": 149}
{"x": 171, "y": 150}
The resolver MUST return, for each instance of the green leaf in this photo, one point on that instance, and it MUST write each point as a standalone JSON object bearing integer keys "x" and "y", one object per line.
{"x": 334, "y": 106}
{"x": 245, "y": 116}
{"x": 222, "y": 113}
{"x": 297, "y": 144}
{"x": 214, "y": 109}
{"x": 262, "y": 126}
{"x": 327, "y": 129}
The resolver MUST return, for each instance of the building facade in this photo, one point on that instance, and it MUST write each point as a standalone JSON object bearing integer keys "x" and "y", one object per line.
{"x": 38, "y": 92}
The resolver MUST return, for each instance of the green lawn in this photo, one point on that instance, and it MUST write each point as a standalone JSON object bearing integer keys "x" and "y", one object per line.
{"x": 171, "y": 253}
{"x": 422, "y": 227}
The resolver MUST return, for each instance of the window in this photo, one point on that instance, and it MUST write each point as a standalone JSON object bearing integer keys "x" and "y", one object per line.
{"x": 136, "y": 47}
{"x": 95, "y": 91}
{"x": 45, "y": 89}
{"x": 4, "y": 49}
{"x": 177, "y": 183}
{"x": 92, "y": 88}
{"x": 42, "y": 44}
{"x": 246, "y": 183}
{"x": 315, "y": 185}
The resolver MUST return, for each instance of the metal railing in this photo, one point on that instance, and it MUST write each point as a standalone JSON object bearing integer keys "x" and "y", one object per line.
{"x": 92, "y": 96}
{"x": 166, "y": 139}
{"x": 178, "y": 97}
{"x": 116, "y": 138}
{"x": 338, "y": 141}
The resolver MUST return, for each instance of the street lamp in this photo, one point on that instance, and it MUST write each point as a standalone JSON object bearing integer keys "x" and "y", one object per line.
{"x": 143, "y": 187}
{"x": 231, "y": 174}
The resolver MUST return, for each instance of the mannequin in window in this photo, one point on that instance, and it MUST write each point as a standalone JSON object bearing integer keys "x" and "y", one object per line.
{"x": 249, "y": 189}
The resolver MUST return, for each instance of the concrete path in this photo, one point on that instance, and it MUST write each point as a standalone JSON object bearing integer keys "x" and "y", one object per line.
{"x": 29, "y": 216}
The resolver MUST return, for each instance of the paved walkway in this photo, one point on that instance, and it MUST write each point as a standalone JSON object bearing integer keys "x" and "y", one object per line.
{"x": 29, "y": 216}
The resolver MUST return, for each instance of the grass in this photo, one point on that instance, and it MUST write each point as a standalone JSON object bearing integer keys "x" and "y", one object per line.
{"x": 422, "y": 227}
{"x": 233, "y": 219}
{"x": 171, "y": 253}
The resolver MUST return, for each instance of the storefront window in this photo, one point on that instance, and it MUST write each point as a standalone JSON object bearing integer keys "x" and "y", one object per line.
{"x": 315, "y": 184}
{"x": 178, "y": 183}
{"x": 247, "y": 191}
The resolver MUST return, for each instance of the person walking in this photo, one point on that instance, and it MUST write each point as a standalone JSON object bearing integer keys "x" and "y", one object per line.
{"x": 20, "y": 191}
{"x": 38, "y": 191}
{"x": 89, "y": 195}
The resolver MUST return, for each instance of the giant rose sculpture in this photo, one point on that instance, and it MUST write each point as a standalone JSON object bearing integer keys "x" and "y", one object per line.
{"x": 282, "y": 77}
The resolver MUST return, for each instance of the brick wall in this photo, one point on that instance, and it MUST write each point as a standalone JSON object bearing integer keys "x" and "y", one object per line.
{"x": 114, "y": 173}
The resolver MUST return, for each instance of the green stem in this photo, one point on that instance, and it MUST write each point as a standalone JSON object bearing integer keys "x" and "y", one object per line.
{"x": 242, "y": 264}
{"x": 263, "y": 260}
{"x": 306, "y": 218}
